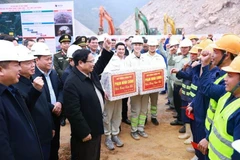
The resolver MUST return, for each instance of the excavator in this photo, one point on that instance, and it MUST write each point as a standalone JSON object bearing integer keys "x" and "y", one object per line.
{"x": 168, "y": 20}
{"x": 111, "y": 29}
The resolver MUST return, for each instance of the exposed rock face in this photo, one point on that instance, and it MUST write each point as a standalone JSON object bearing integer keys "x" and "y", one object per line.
{"x": 199, "y": 16}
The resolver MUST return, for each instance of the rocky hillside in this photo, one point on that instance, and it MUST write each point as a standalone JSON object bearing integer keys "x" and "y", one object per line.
{"x": 195, "y": 16}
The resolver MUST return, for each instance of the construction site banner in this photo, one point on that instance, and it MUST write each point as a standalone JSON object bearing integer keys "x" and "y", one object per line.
{"x": 32, "y": 20}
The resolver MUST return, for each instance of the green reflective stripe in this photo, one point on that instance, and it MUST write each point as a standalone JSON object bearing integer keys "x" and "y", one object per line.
{"x": 134, "y": 122}
{"x": 153, "y": 109}
{"x": 192, "y": 94}
{"x": 184, "y": 86}
{"x": 194, "y": 87}
{"x": 183, "y": 92}
{"x": 223, "y": 140}
{"x": 220, "y": 156}
{"x": 220, "y": 78}
{"x": 141, "y": 120}
{"x": 188, "y": 93}
{"x": 188, "y": 87}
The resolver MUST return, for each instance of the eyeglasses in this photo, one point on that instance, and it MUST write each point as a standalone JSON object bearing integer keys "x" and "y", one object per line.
{"x": 92, "y": 61}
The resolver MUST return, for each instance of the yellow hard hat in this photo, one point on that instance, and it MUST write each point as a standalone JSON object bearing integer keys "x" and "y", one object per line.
{"x": 234, "y": 66}
{"x": 229, "y": 43}
{"x": 204, "y": 43}
{"x": 194, "y": 50}
{"x": 192, "y": 37}
{"x": 208, "y": 48}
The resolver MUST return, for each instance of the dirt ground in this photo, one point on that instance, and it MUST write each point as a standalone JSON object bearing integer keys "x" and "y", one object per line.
{"x": 162, "y": 143}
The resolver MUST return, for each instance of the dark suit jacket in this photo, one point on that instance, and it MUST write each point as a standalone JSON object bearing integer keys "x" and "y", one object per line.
{"x": 82, "y": 106}
{"x": 40, "y": 112}
{"x": 18, "y": 135}
{"x": 56, "y": 84}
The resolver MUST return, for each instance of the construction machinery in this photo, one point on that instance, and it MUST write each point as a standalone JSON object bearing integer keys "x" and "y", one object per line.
{"x": 111, "y": 29}
{"x": 148, "y": 31}
{"x": 168, "y": 20}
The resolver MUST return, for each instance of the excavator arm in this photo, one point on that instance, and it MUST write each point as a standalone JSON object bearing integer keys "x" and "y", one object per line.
{"x": 168, "y": 20}
{"x": 103, "y": 14}
{"x": 140, "y": 16}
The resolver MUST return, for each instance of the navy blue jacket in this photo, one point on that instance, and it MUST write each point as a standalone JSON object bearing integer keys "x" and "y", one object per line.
{"x": 41, "y": 112}
{"x": 18, "y": 135}
{"x": 81, "y": 103}
{"x": 66, "y": 72}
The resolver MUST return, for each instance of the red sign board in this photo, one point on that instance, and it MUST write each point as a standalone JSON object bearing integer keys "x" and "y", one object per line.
{"x": 152, "y": 80}
{"x": 123, "y": 84}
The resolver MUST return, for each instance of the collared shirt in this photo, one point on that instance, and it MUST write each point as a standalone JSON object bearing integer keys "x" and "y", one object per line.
{"x": 100, "y": 97}
{"x": 95, "y": 55}
{"x": 50, "y": 87}
{"x": 134, "y": 62}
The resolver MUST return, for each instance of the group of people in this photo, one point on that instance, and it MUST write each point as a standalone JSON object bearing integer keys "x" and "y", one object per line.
{"x": 203, "y": 88}
{"x": 41, "y": 89}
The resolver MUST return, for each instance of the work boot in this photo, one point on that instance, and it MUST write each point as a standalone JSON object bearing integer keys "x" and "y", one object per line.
{"x": 187, "y": 134}
{"x": 195, "y": 158}
{"x": 188, "y": 141}
{"x": 176, "y": 122}
{"x": 190, "y": 150}
{"x": 142, "y": 134}
{"x": 117, "y": 141}
{"x": 135, "y": 135}
{"x": 127, "y": 121}
{"x": 109, "y": 143}
{"x": 182, "y": 130}
{"x": 155, "y": 121}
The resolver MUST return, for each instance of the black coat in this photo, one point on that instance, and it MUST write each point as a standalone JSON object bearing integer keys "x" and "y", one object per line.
{"x": 41, "y": 112}
{"x": 81, "y": 103}
{"x": 18, "y": 135}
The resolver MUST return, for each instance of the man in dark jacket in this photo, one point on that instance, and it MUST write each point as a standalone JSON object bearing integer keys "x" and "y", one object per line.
{"x": 40, "y": 112}
{"x": 84, "y": 102}
{"x": 52, "y": 89}
{"x": 19, "y": 138}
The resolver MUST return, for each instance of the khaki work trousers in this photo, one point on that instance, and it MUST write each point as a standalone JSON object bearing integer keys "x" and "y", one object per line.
{"x": 153, "y": 105}
{"x": 112, "y": 116}
{"x": 139, "y": 107}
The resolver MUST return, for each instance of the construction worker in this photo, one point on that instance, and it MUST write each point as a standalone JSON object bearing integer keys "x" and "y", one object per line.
{"x": 113, "y": 109}
{"x": 186, "y": 75}
{"x": 139, "y": 103}
{"x": 19, "y": 138}
{"x": 225, "y": 49}
{"x": 60, "y": 58}
{"x": 171, "y": 50}
{"x": 226, "y": 123}
{"x": 154, "y": 60}
{"x": 194, "y": 39}
{"x": 178, "y": 62}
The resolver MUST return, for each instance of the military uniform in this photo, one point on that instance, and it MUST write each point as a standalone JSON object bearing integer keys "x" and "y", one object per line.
{"x": 81, "y": 41}
{"x": 60, "y": 58}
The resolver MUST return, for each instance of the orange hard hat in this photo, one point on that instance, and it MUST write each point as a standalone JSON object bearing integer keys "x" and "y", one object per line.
{"x": 229, "y": 43}
{"x": 234, "y": 66}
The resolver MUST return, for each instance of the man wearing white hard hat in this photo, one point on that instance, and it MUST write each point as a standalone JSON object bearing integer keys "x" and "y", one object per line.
{"x": 154, "y": 60}
{"x": 19, "y": 138}
{"x": 40, "y": 112}
{"x": 178, "y": 62}
{"x": 68, "y": 70}
{"x": 52, "y": 88}
{"x": 139, "y": 103}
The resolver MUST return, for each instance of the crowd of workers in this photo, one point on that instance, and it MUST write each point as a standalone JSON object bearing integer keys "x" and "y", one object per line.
{"x": 40, "y": 89}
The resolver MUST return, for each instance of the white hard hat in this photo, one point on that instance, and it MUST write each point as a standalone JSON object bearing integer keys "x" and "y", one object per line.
{"x": 137, "y": 39}
{"x": 152, "y": 42}
{"x": 8, "y": 51}
{"x": 72, "y": 49}
{"x": 24, "y": 53}
{"x": 40, "y": 49}
{"x": 173, "y": 42}
{"x": 186, "y": 43}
